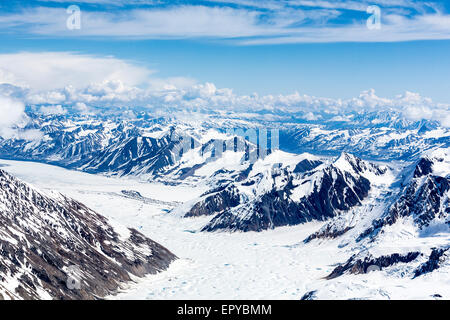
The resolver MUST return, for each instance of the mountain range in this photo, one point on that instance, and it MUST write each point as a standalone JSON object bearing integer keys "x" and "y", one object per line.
{"x": 368, "y": 178}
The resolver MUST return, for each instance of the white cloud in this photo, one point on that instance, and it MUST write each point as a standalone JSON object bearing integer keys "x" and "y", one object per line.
{"x": 311, "y": 116}
{"x": 52, "y": 110}
{"x": 58, "y": 69}
{"x": 109, "y": 2}
{"x": 11, "y": 113}
{"x": 82, "y": 108}
{"x": 244, "y": 21}
{"x": 171, "y": 22}
{"x": 29, "y": 135}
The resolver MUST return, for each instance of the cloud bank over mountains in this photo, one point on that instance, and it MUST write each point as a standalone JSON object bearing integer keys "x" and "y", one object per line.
{"x": 88, "y": 84}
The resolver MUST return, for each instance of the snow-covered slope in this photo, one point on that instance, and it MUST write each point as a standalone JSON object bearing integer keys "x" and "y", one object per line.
{"x": 150, "y": 149}
{"x": 388, "y": 213}
{"x": 403, "y": 233}
{"x": 52, "y": 246}
{"x": 383, "y": 136}
{"x": 424, "y": 194}
{"x": 148, "y": 146}
{"x": 274, "y": 264}
{"x": 284, "y": 189}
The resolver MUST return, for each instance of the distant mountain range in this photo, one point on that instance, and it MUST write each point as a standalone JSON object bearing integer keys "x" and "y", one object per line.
{"x": 148, "y": 146}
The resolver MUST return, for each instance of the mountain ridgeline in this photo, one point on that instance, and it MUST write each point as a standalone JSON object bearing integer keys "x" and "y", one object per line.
{"x": 281, "y": 195}
{"x": 53, "y": 247}
{"x": 367, "y": 182}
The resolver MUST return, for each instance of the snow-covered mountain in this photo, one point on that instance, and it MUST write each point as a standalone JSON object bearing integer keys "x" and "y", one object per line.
{"x": 403, "y": 233}
{"x": 376, "y": 184}
{"x": 173, "y": 156}
{"x": 375, "y": 135}
{"x": 285, "y": 189}
{"x": 53, "y": 247}
{"x": 244, "y": 194}
{"x": 151, "y": 147}
{"x": 418, "y": 196}
{"x": 424, "y": 195}
{"x": 155, "y": 149}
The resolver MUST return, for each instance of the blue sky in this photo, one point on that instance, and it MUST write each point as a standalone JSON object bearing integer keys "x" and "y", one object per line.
{"x": 315, "y": 47}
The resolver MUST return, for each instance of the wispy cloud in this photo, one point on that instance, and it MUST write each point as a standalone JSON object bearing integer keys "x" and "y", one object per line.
{"x": 118, "y": 3}
{"x": 239, "y": 21}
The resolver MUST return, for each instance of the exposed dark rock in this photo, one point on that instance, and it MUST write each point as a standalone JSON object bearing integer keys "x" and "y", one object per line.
{"x": 329, "y": 232}
{"x": 42, "y": 238}
{"x": 244, "y": 174}
{"x": 143, "y": 154}
{"x": 424, "y": 167}
{"x": 188, "y": 172}
{"x": 358, "y": 266}
{"x": 276, "y": 208}
{"x": 132, "y": 193}
{"x": 311, "y": 295}
{"x": 225, "y": 198}
{"x": 306, "y": 165}
{"x": 437, "y": 256}
{"x": 423, "y": 198}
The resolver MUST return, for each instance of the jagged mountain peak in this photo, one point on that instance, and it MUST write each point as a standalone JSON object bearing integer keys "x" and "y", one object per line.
{"x": 440, "y": 159}
{"x": 422, "y": 201}
{"x": 298, "y": 189}
{"x": 423, "y": 167}
{"x": 350, "y": 163}
{"x": 433, "y": 162}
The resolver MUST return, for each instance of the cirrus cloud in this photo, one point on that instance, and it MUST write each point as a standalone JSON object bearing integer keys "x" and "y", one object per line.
{"x": 243, "y": 22}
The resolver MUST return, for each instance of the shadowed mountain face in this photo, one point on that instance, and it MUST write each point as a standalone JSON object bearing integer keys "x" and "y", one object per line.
{"x": 424, "y": 197}
{"x": 146, "y": 149}
{"x": 358, "y": 266}
{"x": 52, "y": 246}
{"x": 276, "y": 208}
{"x": 415, "y": 209}
{"x": 141, "y": 155}
{"x": 281, "y": 196}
